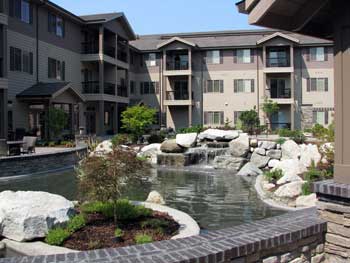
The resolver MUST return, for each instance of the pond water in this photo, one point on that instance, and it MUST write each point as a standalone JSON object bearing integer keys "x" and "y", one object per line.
{"x": 214, "y": 199}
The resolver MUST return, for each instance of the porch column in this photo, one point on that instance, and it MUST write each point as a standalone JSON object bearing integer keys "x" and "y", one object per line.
{"x": 292, "y": 106}
{"x": 190, "y": 97}
{"x": 163, "y": 93}
{"x": 82, "y": 119}
{"x": 101, "y": 62}
{"x": 100, "y": 122}
{"x": 72, "y": 120}
{"x": 342, "y": 91}
{"x": 115, "y": 118}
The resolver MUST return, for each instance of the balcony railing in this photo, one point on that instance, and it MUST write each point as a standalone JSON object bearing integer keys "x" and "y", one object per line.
{"x": 122, "y": 56}
{"x": 122, "y": 91}
{"x": 93, "y": 87}
{"x": 93, "y": 48}
{"x": 178, "y": 95}
{"x": 277, "y": 62}
{"x": 177, "y": 65}
{"x": 281, "y": 94}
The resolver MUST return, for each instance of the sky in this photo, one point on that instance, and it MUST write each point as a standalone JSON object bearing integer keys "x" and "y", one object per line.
{"x": 166, "y": 16}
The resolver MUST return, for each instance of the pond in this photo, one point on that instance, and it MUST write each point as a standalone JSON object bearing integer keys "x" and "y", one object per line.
{"x": 214, "y": 199}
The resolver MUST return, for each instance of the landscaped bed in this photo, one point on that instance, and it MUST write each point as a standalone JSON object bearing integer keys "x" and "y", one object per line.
{"x": 95, "y": 227}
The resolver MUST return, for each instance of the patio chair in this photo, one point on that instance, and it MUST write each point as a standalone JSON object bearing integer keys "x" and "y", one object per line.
{"x": 29, "y": 144}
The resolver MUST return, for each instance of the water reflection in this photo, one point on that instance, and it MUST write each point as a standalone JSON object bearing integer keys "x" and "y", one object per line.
{"x": 215, "y": 199}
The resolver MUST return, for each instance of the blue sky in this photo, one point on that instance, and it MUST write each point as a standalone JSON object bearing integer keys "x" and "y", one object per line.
{"x": 164, "y": 16}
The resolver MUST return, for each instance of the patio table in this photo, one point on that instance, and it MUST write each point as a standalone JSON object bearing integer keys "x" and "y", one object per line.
{"x": 14, "y": 147}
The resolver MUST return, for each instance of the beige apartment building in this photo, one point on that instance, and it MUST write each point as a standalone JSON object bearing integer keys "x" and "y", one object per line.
{"x": 94, "y": 66}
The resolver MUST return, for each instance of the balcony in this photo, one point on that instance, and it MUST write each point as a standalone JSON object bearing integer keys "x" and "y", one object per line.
{"x": 122, "y": 91}
{"x": 93, "y": 87}
{"x": 122, "y": 56}
{"x": 92, "y": 48}
{"x": 278, "y": 60}
{"x": 177, "y": 63}
{"x": 178, "y": 97}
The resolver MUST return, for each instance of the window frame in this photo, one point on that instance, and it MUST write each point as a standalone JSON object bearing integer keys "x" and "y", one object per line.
{"x": 313, "y": 84}
{"x": 214, "y": 60}
{"x": 314, "y": 54}
{"x": 210, "y": 117}
{"x": 56, "y": 70}
{"x": 56, "y": 25}
{"x": 244, "y": 87}
{"x": 241, "y": 59}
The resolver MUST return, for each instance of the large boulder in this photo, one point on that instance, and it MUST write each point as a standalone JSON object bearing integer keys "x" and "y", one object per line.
{"x": 186, "y": 140}
{"x": 26, "y": 216}
{"x": 240, "y": 147}
{"x": 103, "y": 148}
{"x": 290, "y": 190}
{"x": 306, "y": 201}
{"x": 250, "y": 169}
{"x": 309, "y": 154}
{"x": 218, "y": 135}
{"x": 267, "y": 145}
{"x": 150, "y": 152}
{"x": 260, "y": 151}
{"x": 260, "y": 161}
{"x": 170, "y": 146}
{"x": 228, "y": 162}
{"x": 155, "y": 198}
{"x": 274, "y": 154}
{"x": 291, "y": 169}
{"x": 290, "y": 150}
{"x": 272, "y": 163}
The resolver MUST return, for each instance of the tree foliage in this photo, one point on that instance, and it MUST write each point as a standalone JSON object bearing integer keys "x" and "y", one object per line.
{"x": 104, "y": 178}
{"x": 250, "y": 121}
{"x": 137, "y": 119}
{"x": 57, "y": 120}
{"x": 269, "y": 107}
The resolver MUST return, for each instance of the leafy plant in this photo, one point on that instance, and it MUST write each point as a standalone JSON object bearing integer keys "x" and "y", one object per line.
{"x": 274, "y": 175}
{"x": 120, "y": 139}
{"x": 193, "y": 129}
{"x": 250, "y": 121}
{"x": 104, "y": 178}
{"x": 57, "y": 236}
{"x": 306, "y": 188}
{"x": 281, "y": 141}
{"x": 57, "y": 120}
{"x": 137, "y": 119}
{"x": 154, "y": 223}
{"x": 118, "y": 233}
{"x": 156, "y": 138}
{"x": 76, "y": 223}
{"x": 298, "y": 136}
{"x": 269, "y": 107}
{"x": 143, "y": 239}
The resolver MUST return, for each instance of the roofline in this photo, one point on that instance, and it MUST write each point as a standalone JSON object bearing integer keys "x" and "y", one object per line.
{"x": 175, "y": 39}
{"x": 277, "y": 34}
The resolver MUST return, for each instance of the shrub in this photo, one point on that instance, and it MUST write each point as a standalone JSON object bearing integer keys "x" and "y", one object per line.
{"x": 306, "y": 188}
{"x": 274, "y": 175}
{"x": 156, "y": 138}
{"x": 154, "y": 223}
{"x": 76, "y": 223}
{"x": 57, "y": 119}
{"x": 120, "y": 139}
{"x": 193, "y": 129}
{"x": 285, "y": 133}
{"x": 250, "y": 121}
{"x": 57, "y": 236}
{"x": 118, "y": 233}
{"x": 143, "y": 239}
{"x": 269, "y": 107}
{"x": 313, "y": 175}
{"x": 281, "y": 141}
{"x": 298, "y": 137}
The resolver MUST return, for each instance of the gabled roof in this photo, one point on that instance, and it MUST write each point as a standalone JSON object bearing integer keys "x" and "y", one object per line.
{"x": 48, "y": 90}
{"x": 175, "y": 39}
{"x": 277, "y": 34}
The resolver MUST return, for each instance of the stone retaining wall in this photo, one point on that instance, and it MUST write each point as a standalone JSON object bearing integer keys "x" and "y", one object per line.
{"x": 40, "y": 163}
{"x": 293, "y": 237}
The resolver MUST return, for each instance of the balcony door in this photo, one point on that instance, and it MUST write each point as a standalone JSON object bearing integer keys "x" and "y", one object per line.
{"x": 279, "y": 89}
{"x": 181, "y": 90}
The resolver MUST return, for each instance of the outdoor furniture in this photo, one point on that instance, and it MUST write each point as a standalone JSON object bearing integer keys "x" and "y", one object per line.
{"x": 14, "y": 147}
{"x": 29, "y": 144}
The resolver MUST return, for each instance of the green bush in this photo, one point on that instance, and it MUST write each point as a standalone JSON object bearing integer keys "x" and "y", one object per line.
{"x": 281, "y": 141}
{"x": 285, "y": 133}
{"x": 154, "y": 223}
{"x": 250, "y": 121}
{"x": 193, "y": 129}
{"x": 313, "y": 175}
{"x": 143, "y": 239}
{"x": 124, "y": 210}
{"x": 118, "y": 233}
{"x": 120, "y": 139}
{"x": 296, "y": 135}
{"x": 156, "y": 138}
{"x": 306, "y": 188}
{"x": 76, "y": 223}
{"x": 274, "y": 175}
{"x": 57, "y": 236}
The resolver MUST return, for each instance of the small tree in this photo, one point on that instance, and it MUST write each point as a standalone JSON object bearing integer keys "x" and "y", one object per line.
{"x": 57, "y": 120}
{"x": 137, "y": 119}
{"x": 104, "y": 178}
{"x": 250, "y": 121}
{"x": 269, "y": 107}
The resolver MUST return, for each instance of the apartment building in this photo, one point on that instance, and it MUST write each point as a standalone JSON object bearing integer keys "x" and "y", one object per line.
{"x": 94, "y": 66}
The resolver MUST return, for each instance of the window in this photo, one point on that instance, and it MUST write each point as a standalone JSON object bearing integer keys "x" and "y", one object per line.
{"x": 317, "y": 54}
{"x": 317, "y": 85}
{"x": 149, "y": 88}
{"x": 56, "y": 69}
{"x": 213, "y": 117}
{"x": 21, "y": 60}
{"x": 215, "y": 86}
{"x": 22, "y": 10}
{"x": 132, "y": 87}
{"x": 56, "y": 25}
{"x": 320, "y": 116}
{"x": 213, "y": 57}
{"x": 244, "y": 86}
{"x": 243, "y": 56}
{"x": 151, "y": 59}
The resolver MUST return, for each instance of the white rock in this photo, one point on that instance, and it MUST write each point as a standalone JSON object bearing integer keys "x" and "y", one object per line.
{"x": 240, "y": 147}
{"x": 260, "y": 151}
{"x": 259, "y": 160}
{"x": 309, "y": 154}
{"x": 268, "y": 186}
{"x": 26, "y": 216}
{"x": 278, "y": 146}
{"x": 218, "y": 135}
{"x": 228, "y": 162}
{"x": 290, "y": 150}
{"x": 273, "y": 163}
{"x": 291, "y": 170}
{"x": 290, "y": 190}
{"x": 254, "y": 142}
{"x": 186, "y": 140}
{"x": 150, "y": 152}
{"x": 250, "y": 169}
{"x": 155, "y": 198}
{"x": 268, "y": 145}
{"x": 306, "y": 201}
{"x": 274, "y": 154}
{"x": 103, "y": 148}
